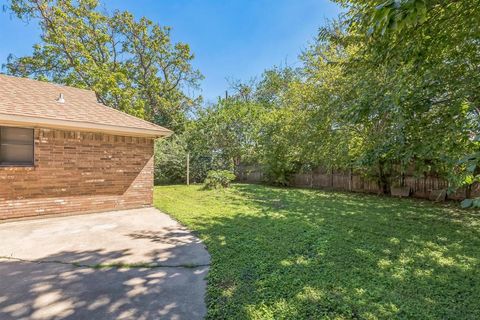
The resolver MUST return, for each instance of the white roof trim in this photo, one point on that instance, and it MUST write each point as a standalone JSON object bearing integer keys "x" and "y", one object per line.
{"x": 30, "y": 121}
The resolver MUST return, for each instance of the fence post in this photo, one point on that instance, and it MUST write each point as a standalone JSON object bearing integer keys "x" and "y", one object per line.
{"x": 350, "y": 177}
{"x": 468, "y": 191}
{"x": 425, "y": 186}
{"x": 331, "y": 178}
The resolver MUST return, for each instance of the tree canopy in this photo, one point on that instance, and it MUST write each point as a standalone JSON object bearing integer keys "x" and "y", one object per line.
{"x": 131, "y": 64}
{"x": 390, "y": 87}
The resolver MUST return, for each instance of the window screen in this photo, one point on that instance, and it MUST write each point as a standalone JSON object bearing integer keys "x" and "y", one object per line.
{"x": 16, "y": 146}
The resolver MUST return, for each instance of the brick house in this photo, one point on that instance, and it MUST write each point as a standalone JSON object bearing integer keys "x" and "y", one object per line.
{"x": 61, "y": 151}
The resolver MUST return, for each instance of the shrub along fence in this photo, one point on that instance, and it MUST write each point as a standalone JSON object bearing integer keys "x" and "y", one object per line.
{"x": 429, "y": 187}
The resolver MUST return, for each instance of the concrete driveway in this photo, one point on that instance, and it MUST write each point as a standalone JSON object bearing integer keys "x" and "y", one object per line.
{"x": 132, "y": 264}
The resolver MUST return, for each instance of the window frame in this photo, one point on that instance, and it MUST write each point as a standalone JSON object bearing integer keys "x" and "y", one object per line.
{"x": 22, "y": 164}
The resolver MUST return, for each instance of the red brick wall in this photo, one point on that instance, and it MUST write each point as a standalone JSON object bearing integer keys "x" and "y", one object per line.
{"x": 79, "y": 172}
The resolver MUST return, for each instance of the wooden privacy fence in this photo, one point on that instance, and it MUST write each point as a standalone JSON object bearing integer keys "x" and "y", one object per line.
{"x": 425, "y": 188}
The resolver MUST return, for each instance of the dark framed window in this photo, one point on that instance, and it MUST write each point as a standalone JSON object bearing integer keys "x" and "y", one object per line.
{"x": 16, "y": 146}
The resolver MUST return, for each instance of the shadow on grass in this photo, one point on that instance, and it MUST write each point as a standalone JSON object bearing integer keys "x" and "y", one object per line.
{"x": 292, "y": 253}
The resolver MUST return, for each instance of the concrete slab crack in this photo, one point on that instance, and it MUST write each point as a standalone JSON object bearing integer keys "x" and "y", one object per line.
{"x": 109, "y": 265}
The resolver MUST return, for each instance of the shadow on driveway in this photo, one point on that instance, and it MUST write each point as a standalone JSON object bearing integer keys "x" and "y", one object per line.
{"x": 102, "y": 278}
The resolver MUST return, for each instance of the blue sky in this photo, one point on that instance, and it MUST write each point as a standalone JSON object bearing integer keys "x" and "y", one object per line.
{"x": 231, "y": 39}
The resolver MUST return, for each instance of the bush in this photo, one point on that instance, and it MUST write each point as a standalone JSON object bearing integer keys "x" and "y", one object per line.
{"x": 218, "y": 179}
{"x": 170, "y": 160}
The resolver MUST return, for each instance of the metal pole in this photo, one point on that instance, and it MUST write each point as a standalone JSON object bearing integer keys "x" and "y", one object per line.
{"x": 188, "y": 168}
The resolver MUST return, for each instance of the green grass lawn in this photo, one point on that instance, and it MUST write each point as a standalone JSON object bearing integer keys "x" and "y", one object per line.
{"x": 307, "y": 254}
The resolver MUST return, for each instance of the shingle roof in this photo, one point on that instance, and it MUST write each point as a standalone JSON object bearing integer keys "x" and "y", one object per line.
{"x": 26, "y": 101}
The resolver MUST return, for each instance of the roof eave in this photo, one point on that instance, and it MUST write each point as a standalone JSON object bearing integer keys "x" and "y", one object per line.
{"x": 29, "y": 121}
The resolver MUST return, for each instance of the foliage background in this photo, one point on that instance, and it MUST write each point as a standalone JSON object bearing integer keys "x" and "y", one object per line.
{"x": 389, "y": 88}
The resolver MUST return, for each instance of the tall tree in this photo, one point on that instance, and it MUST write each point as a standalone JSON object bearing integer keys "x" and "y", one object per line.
{"x": 430, "y": 49}
{"x": 132, "y": 65}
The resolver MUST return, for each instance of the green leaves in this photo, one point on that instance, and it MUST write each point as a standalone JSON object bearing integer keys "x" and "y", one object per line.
{"x": 131, "y": 64}
{"x": 382, "y": 106}
{"x": 217, "y": 179}
{"x": 395, "y": 15}
{"x": 171, "y": 160}
{"x": 404, "y": 89}
{"x": 393, "y": 87}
